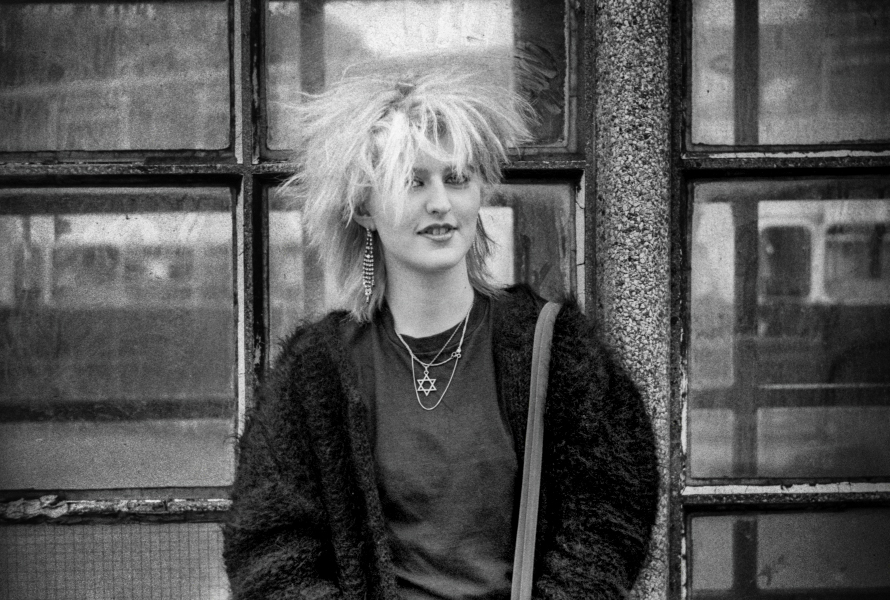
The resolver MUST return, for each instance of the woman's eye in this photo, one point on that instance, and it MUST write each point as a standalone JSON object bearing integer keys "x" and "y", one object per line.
{"x": 415, "y": 182}
{"x": 456, "y": 179}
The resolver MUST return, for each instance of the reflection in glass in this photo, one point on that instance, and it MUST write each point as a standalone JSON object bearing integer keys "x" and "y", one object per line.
{"x": 116, "y": 337}
{"x": 298, "y": 287}
{"x": 784, "y": 268}
{"x": 711, "y": 432}
{"x": 532, "y": 226}
{"x": 857, "y": 261}
{"x": 842, "y": 553}
{"x": 823, "y": 441}
{"x": 712, "y": 558}
{"x": 539, "y": 239}
{"x": 518, "y": 44}
{"x": 821, "y": 72}
{"x": 113, "y": 561}
{"x": 105, "y": 76}
{"x": 790, "y": 303}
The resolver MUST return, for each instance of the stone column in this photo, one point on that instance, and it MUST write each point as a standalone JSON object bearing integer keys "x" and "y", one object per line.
{"x": 631, "y": 199}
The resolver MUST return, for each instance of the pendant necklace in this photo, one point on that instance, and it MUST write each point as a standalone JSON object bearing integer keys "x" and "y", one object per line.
{"x": 426, "y": 384}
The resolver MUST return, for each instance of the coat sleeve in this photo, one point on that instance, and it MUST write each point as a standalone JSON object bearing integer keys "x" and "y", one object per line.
{"x": 277, "y": 538}
{"x": 599, "y": 472}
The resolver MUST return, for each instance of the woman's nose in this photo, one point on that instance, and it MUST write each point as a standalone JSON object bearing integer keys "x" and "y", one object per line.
{"x": 437, "y": 201}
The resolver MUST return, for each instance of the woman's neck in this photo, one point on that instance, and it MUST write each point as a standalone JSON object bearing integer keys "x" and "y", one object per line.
{"x": 425, "y": 306}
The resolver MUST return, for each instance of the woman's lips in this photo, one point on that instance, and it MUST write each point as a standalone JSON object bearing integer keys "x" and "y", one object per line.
{"x": 437, "y": 229}
{"x": 438, "y": 232}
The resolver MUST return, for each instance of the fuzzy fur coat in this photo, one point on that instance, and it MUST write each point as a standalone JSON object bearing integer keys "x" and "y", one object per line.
{"x": 306, "y": 521}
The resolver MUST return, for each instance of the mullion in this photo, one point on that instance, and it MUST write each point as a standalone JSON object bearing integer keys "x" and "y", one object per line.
{"x": 251, "y": 207}
{"x": 746, "y": 67}
{"x": 745, "y": 355}
{"x": 312, "y": 49}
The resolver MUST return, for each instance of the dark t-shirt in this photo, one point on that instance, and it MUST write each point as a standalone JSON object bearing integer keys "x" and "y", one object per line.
{"x": 446, "y": 476}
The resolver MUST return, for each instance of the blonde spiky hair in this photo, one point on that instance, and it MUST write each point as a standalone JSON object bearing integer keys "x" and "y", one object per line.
{"x": 364, "y": 134}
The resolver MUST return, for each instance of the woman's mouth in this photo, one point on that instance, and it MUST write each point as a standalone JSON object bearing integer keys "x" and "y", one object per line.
{"x": 437, "y": 230}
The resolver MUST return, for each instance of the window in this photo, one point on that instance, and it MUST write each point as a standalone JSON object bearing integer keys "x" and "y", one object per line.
{"x": 148, "y": 265}
{"x": 100, "y": 77}
{"x": 786, "y": 200}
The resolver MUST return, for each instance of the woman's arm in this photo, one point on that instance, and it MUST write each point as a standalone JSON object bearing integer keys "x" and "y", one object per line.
{"x": 600, "y": 472}
{"x": 277, "y": 539}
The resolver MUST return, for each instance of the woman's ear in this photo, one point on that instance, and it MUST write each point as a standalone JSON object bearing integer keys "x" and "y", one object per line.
{"x": 362, "y": 216}
{"x": 365, "y": 220}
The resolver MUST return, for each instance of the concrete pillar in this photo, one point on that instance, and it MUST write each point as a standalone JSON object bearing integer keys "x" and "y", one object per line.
{"x": 631, "y": 155}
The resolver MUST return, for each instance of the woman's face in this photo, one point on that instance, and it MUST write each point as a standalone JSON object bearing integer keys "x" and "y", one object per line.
{"x": 437, "y": 226}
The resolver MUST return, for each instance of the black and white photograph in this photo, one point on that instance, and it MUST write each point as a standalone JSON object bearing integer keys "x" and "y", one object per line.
{"x": 444, "y": 299}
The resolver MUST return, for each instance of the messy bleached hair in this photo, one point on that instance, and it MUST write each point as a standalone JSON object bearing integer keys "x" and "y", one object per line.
{"x": 365, "y": 134}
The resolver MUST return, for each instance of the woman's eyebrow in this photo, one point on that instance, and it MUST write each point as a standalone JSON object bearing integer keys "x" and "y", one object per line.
{"x": 447, "y": 170}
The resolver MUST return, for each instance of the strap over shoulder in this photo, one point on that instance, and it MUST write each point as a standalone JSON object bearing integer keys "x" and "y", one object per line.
{"x": 524, "y": 557}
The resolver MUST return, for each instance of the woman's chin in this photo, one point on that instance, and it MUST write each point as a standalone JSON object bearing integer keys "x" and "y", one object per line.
{"x": 442, "y": 264}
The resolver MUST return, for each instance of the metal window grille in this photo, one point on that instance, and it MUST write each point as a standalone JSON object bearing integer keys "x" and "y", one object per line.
{"x": 112, "y": 562}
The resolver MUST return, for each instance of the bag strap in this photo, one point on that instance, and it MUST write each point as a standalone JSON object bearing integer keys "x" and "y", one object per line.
{"x": 530, "y": 496}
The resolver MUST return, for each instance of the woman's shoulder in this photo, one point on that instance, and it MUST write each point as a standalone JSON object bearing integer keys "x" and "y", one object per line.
{"x": 517, "y": 307}
{"x": 310, "y": 357}
{"x": 311, "y": 338}
{"x": 517, "y": 301}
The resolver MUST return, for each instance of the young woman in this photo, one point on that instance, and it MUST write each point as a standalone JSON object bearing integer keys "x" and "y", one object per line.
{"x": 382, "y": 458}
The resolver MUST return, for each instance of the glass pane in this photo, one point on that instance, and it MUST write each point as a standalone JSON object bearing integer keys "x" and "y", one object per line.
{"x": 532, "y": 226}
{"x": 818, "y": 554}
{"x": 112, "y": 562}
{"x": 110, "y": 76}
{"x": 116, "y": 338}
{"x": 790, "y": 344}
{"x": 820, "y": 72}
{"x": 519, "y": 44}
{"x": 298, "y": 287}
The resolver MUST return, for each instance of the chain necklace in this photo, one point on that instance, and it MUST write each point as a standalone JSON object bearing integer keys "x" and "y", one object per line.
{"x": 426, "y": 384}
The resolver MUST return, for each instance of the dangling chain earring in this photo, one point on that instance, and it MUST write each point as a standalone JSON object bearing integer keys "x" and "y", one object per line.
{"x": 368, "y": 266}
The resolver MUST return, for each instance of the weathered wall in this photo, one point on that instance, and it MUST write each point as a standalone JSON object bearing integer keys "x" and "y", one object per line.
{"x": 631, "y": 151}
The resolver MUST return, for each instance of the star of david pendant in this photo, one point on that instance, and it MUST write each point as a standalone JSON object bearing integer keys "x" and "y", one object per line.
{"x": 426, "y": 385}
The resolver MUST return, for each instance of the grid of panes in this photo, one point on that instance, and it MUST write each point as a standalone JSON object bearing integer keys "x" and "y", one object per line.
{"x": 787, "y": 477}
{"x": 145, "y": 265}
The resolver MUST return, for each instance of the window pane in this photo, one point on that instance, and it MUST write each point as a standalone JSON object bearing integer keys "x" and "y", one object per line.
{"x": 298, "y": 287}
{"x": 116, "y": 338}
{"x": 820, "y": 70}
{"x": 110, "y": 76}
{"x": 112, "y": 562}
{"x": 532, "y": 226}
{"x": 519, "y": 44}
{"x": 790, "y": 341}
{"x": 823, "y": 554}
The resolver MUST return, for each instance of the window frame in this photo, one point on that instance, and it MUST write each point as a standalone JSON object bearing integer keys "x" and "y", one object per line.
{"x": 691, "y": 164}
{"x": 198, "y": 158}
{"x": 745, "y": 96}
{"x": 249, "y": 171}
